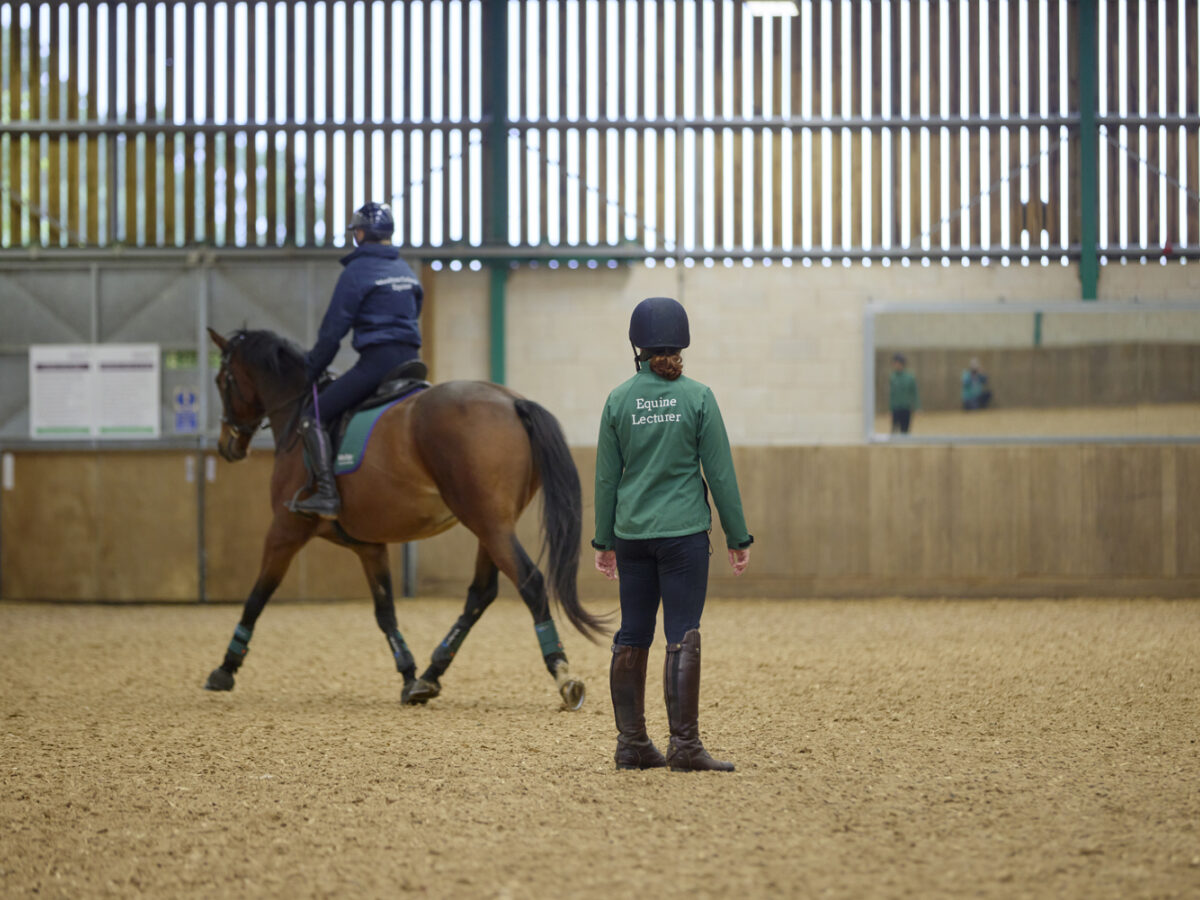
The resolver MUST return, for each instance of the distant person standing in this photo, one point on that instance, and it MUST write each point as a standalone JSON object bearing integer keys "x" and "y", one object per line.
{"x": 975, "y": 391}
{"x": 903, "y": 400}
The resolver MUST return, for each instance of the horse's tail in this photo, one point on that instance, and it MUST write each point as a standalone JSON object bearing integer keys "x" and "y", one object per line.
{"x": 562, "y": 512}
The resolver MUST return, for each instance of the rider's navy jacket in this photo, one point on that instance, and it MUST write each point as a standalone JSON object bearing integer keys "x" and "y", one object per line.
{"x": 378, "y": 296}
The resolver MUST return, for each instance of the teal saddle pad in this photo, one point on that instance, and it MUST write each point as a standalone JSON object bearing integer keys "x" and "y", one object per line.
{"x": 358, "y": 432}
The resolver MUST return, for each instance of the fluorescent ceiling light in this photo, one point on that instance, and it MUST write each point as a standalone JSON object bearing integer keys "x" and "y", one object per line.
{"x": 772, "y": 7}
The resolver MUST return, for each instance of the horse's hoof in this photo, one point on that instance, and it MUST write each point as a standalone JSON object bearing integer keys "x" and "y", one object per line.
{"x": 219, "y": 680}
{"x": 570, "y": 689}
{"x": 419, "y": 691}
{"x": 573, "y": 693}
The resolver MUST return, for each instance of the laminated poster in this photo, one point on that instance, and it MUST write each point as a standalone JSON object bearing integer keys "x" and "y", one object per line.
{"x": 90, "y": 391}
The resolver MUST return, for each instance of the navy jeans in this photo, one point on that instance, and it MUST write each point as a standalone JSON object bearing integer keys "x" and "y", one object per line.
{"x": 674, "y": 570}
{"x": 374, "y": 362}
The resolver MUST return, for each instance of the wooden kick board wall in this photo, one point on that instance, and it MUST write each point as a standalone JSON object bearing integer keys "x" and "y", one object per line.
{"x": 829, "y": 521}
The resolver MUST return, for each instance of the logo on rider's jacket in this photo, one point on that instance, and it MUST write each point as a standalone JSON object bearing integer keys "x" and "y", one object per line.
{"x": 655, "y": 418}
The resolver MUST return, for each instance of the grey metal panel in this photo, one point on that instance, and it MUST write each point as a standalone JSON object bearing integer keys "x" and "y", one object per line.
{"x": 261, "y": 295}
{"x": 152, "y": 305}
{"x": 156, "y": 297}
{"x": 39, "y": 306}
{"x": 14, "y": 395}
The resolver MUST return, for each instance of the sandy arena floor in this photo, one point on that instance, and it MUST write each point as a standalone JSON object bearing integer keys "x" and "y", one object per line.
{"x": 884, "y": 749}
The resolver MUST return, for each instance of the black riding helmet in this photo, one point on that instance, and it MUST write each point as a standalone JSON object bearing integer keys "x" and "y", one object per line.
{"x": 375, "y": 219}
{"x": 658, "y": 322}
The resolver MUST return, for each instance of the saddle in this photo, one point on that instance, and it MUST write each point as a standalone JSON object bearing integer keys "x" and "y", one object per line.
{"x": 405, "y": 379}
{"x": 350, "y": 433}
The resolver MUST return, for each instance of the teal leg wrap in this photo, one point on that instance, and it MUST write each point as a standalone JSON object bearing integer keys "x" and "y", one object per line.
{"x": 548, "y": 638}
{"x": 241, "y": 639}
{"x": 238, "y": 648}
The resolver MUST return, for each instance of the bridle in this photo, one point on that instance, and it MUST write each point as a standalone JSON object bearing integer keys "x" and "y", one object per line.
{"x": 228, "y": 389}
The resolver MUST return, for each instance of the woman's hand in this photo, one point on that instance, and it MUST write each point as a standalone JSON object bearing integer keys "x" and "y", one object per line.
{"x": 606, "y": 562}
{"x": 738, "y": 559}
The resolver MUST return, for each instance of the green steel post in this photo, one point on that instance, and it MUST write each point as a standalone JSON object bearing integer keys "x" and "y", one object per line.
{"x": 1089, "y": 183}
{"x": 495, "y": 171}
{"x": 497, "y": 292}
{"x": 1037, "y": 329}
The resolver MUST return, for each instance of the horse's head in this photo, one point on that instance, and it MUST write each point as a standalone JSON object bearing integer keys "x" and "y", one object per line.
{"x": 242, "y": 409}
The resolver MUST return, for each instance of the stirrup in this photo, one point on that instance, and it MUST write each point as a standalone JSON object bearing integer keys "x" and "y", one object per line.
{"x": 290, "y": 506}
{"x": 294, "y": 505}
{"x": 331, "y": 507}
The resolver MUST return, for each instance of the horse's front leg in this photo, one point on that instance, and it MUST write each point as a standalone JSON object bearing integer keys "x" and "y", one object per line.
{"x": 288, "y": 533}
{"x": 374, "y": 561}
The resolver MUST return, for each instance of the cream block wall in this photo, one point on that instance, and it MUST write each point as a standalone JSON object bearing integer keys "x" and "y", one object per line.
{"x": 780, "y": 346}
{"x": 459, "y": 317}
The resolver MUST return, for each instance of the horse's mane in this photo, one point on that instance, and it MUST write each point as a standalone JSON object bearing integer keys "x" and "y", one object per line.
{"x": 268, "y": 352}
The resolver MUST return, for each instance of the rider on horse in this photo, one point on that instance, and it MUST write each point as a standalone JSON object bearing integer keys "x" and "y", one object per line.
{"x": 380, "y": 298}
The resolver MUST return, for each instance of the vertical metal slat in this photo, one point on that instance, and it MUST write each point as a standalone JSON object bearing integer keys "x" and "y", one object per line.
{"x": 934, "y": 225}
{"x": 1133, "y": 82}
{"x": 310, "y": 115}
{"x": 251, "y": 155}
{"x": 421, "y": 138}
{"x": 34, "y": 88}
{"x": 150, "y": 183}
{"x": 210, "y": 154}
{"x": 190, "y": 141}
{"x": 231, "y": 134}
{"x": 1153, "y": 234}
{"x": 272, "y": 116}
{"x": 1055, "y": 164}
{"x": 169, "y": 211}
{"x": 54, "y": 112}
{"x": 1174, "y": 163}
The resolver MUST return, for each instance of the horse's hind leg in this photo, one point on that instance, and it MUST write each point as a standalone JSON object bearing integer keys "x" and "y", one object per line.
{"x": 282, "y": 542}
{"x": 379, "y": 576}
{"x": 480, "y": 595}
{"x": 532, "y": 585}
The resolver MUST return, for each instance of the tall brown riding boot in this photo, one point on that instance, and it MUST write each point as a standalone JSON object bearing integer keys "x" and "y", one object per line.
{"x": 681, "y": 684}
{"x": 627, "y": 681}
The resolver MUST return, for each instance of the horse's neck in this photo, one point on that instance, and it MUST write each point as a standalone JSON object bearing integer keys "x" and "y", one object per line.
{"x": 282, "y": 402}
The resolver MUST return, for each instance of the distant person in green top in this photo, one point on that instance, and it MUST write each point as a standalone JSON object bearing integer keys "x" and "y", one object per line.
{"x": 975, "y": 391}
{"x": 902, "y": 394}
{"x": 652, "y": 521}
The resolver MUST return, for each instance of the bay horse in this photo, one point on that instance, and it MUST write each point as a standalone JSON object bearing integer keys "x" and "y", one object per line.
{"x": 461, "y": 451}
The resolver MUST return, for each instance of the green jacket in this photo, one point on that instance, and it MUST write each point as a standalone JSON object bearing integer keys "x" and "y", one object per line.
{"x": 655, "y": 435}
{"x": 902, "y": 391}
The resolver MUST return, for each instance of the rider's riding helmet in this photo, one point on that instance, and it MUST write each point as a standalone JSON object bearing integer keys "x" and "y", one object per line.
{"x": 375, "y": 219}
{"x": 659, "y": 322}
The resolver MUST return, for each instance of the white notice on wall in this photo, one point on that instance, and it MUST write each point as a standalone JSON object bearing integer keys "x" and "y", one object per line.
{"x": 60, "y": 391}
{"x": 83, "y": 391}
{"x": 127, "y": 390}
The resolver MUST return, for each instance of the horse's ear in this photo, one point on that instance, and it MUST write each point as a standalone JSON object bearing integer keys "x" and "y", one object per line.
{"x": 218, "y": 340}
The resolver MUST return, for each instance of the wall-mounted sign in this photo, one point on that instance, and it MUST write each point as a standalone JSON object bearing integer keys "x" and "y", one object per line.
{"x": 187, "y": 413}
{"x": 85, "y": 391}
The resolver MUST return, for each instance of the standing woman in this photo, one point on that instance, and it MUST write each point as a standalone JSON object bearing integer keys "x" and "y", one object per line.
{"x": 652, "y": 523}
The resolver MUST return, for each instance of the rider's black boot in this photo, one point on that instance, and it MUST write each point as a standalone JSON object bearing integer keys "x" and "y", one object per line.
{"x": 324, "y": 501}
